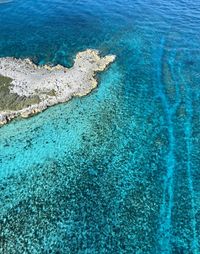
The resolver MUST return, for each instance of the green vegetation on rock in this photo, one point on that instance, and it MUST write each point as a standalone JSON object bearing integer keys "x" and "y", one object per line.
{"x": 12, "y": 101}
{"x": 51, "y": 93}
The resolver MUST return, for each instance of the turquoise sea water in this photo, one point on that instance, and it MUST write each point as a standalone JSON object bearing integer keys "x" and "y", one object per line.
{"x": 116, "y": 171}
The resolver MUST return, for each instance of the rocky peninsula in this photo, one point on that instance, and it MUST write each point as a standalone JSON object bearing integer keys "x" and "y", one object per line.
{"x": 27, "y": 89}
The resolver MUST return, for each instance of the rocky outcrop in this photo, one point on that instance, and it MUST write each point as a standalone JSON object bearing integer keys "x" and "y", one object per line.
{"x": 51, "y": 85}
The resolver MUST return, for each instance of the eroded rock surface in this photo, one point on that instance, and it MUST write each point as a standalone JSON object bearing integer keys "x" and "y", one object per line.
{"x": 27, "y": 89}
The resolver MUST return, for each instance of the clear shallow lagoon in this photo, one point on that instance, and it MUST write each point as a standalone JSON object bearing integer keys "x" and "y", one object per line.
{"x": 116, "y": 171}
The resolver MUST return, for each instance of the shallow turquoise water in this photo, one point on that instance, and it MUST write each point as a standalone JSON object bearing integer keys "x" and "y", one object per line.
{"x": 116, "y": 171}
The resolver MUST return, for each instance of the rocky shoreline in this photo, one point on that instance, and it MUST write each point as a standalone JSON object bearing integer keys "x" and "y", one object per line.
{"x": 39, "y": 87}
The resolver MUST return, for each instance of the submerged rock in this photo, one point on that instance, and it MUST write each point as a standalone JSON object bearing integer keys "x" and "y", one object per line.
{"x": 27, "y": 89}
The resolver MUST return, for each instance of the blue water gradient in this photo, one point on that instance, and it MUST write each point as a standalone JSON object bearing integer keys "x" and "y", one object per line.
{"x": 116, "y": 171}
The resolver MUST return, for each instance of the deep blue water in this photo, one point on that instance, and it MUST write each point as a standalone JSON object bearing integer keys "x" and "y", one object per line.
{"x": 117, "y": 171}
